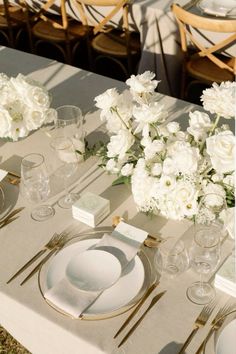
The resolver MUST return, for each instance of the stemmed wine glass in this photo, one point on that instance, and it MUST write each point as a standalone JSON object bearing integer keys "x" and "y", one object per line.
{"x": 66, "y": 165}
{"x": 35, "y": 185}
{"x": 69, "y": 123}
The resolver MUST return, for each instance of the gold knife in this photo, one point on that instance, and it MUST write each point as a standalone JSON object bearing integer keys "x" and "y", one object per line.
{"x": 144, "y": 298}
{"x": 153, "y": 302}
{"x": 11, "y": 214}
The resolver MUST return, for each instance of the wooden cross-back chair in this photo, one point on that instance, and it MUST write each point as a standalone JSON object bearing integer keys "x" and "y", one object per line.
{"x": 15, "y": 25}
{"x": 111, "y": 46}
{"x": 59, "y": 33}
{"x": 205, "y": 63}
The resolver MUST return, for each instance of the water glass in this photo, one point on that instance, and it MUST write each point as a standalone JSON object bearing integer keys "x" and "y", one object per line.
{"x": 66, "y": 164}
{"x": 171, "y": 257}
{"x": 69, "y": 124}
{"x": 204, "y": 257}
{"x": 35, "y": 185}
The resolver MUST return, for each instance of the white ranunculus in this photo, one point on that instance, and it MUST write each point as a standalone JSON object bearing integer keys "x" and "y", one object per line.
{"x": 229, "y": 180}
{"x": 112, "y": 166}
{"x": 173, "y": 127}
{"x": 167, "y": 183}
{"x": 185, "y": 196}
{"x": 221, "y": 149}
{"x": 168, "y": 166}
{"x": 199, "y": 125}
{"x": 153, "y": 148}
{"x": 142, "y": 83}
{"x": 119, "y": 144}
{"x": 185, "y": 157}
{"x": 217, "y": 177}
{"x": 149, "y": 114}
{"x": 156, "y": 169}
{"x": 50, "y": 115}
{"x": 127, "y": 169}
{"x": 5, "y": 122}
{"x": 107, "y": 99}
{"x": 38, "y": 98}
{"x": 220, "y": 99}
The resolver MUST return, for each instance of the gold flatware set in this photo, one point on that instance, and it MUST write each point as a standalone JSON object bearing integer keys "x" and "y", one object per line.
{"x": 10, "y": 217}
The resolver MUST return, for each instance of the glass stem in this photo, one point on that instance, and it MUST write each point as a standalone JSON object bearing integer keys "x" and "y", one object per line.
{"x": 201, "y": 285}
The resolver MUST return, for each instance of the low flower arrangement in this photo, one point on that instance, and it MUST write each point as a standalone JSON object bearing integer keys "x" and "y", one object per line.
{"x": 169, "y": 169}
{"x": 24, "y": 106}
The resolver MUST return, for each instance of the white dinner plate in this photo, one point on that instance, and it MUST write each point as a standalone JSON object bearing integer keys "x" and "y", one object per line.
{"x": 125, "y": 293}
{"x": 93, "y": 270}
{"x": 226, "y": 343}
{"x": 223, "y": 8}
{"x": 2, "y": 199}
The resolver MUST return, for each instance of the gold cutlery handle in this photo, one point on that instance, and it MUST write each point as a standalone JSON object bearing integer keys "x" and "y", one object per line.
{"x": 38, "y": 266}
{"x": 32, "y": 260}
{"x": 144, "y": 298}
{"x": 153, "y": 302}
{"x": 188, "y": 340}
{"x": 200, "y": 349}
{"x": 8, "y": 221}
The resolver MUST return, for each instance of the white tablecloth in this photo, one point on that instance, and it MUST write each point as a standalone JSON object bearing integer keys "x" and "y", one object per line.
{"x": 23, "y": 312}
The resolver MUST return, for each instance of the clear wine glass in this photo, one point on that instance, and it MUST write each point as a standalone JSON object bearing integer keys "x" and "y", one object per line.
{"x": 66, "y": 165}
{"x": 171, "y": 257}
{"x": 204, "y": 257}
{"x": 35, "y": 185}
{"x": 211, "y": 207}
{"x": 69, "y": 124}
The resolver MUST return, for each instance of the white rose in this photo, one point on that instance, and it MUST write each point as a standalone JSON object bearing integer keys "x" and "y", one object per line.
{"x": 119, "y": 144}
{"x": 50, "y": 115}
{"x": 173, "y": 127}
{"x": 199, "y": 125}
{"x": 221, "y": 149}
{"x": 142, "y": 83}
{"x": 107, "y": 99}
{"x": 217, "y": 177}
{"x": 33, "y": 119}
{"x": 127, "y": 169}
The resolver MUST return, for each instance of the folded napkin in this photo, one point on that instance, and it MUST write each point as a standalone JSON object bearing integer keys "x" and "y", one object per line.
{"x": 124, "y": 243}
{"x": 225, "y": 278}
{"x": 3, "y": 174}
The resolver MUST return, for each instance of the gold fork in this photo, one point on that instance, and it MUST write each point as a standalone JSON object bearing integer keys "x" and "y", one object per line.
{"x": 200, "y": 321}
{"x": 48, "y": 246}
{"x": 216, "y": 323}
{"x": 55, "y": 248}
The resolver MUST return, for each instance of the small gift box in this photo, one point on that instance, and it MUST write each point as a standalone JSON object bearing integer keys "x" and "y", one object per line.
{"x": 91, "y": 209}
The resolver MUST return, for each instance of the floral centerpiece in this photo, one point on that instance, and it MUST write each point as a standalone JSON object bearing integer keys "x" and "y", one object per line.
{"x": 169, "y": 169}
{"x": 24, "y": 106}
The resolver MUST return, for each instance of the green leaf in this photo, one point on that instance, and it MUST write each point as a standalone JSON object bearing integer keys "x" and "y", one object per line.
{"x": 121, "y": 180}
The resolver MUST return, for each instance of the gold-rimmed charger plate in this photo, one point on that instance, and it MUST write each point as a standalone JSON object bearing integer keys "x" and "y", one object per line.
{"x": 211, "y": 344}
{"x": 124, "y": 294}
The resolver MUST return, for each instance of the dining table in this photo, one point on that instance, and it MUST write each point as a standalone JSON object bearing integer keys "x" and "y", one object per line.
{"x": 23, "y": 309}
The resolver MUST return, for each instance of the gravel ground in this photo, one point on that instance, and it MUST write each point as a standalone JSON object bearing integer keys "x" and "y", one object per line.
{"x": 8, "y": 345}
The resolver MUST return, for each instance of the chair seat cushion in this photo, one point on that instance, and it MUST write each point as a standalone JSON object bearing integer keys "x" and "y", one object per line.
{"x": 113, "y": 42}
{"x": 204, "y": 69}
{"x": 45, "y": 30}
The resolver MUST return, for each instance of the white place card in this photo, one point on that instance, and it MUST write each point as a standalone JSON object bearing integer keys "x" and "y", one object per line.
{"x": 3, "y": 174}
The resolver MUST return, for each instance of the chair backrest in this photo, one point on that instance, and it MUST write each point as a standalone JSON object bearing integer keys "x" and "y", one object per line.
{"x": 115, "y": 5}
{"x": 189, "y": 22}
{"x": 43, "y": 14}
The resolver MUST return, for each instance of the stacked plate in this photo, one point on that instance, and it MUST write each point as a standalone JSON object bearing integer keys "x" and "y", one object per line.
{"x": 90, "y": 269}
